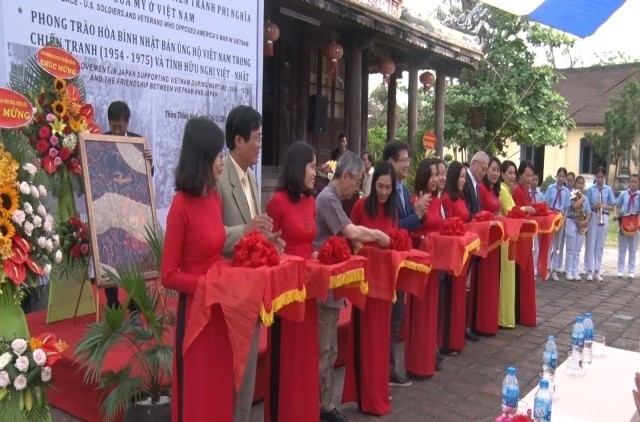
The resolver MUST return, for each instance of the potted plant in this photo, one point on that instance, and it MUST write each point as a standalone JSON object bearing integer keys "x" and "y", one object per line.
{"x": 141, "y": 388}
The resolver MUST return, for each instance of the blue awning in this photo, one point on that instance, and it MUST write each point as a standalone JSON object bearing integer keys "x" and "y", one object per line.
{"x": 577, "y": 17}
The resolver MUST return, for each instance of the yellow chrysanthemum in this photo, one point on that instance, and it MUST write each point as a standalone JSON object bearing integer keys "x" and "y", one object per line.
{"x": 34, "y": 343}
{"x": 8, "y": 200}
{"x": 5, "y": 248}
{"x": 83, "y": 125}
{"x": 73, "y": 107}
{"x": 8, "y": 168}
{"x": 60, "y": 85}
{"x": 59, "y": 108}
{"x": 75, "y": 125}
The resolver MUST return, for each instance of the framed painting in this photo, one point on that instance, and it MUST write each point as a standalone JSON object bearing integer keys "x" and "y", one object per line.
{"x": 120, "y": 203}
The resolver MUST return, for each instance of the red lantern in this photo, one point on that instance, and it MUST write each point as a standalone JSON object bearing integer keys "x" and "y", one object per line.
{"x": 426, "y": 79}
{"x": 271, "y": 35}
{"x": 333, "y": 51}
{"x": 387, "y": 68}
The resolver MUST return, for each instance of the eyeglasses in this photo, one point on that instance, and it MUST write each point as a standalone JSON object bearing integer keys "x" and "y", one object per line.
{"x": 405, "y": 160}
{"x": 257, "y": 138}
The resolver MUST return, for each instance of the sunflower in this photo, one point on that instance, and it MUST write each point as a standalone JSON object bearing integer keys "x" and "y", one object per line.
{"x": 8, "y": 200}
{"x": 60, "y": 85}
{"x": 59, "y": 107}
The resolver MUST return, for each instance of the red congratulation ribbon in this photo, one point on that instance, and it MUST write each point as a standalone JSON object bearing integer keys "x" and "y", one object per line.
{"x": 254, "y": 250}
{"x": 334, "y": 250}
{"x": 483, "y": 216}
{"x": 452, "y": 226}
{"x": 400, "y": 240}
{"x": 516, "y": 212}
{"x": 541, "y": 209}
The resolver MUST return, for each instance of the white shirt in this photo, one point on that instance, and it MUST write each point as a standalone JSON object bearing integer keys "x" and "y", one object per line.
{"x": 248, "y": 192}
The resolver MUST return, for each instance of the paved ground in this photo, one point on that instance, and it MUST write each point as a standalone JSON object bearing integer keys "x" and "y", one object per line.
{"x": 468, "y": 388}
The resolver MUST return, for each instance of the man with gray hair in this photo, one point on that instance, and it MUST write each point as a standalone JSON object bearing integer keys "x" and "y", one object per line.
{"x": 331, "y": 220}
{"x": 477, "y": 169}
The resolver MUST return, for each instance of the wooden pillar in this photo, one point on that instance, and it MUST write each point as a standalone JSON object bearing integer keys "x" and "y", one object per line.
{"x": 391, "y": 108}
{"x": 364, "y": 100}
{"x": 354, "y": 98}
{"x": 412, "y": 118}
{"x": 440, "y": 88}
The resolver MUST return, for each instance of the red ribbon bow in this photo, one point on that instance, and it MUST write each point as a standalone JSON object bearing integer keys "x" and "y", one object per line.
{"x": 516, "y": 212}
{"x": 541, "y": 209}
{"x": 452, "y": 226}
{"x": 483, "y": 216}
{"x": 400, "y": 240}
{"x": 334, "y": 250}
{"x": 254, "y": 250}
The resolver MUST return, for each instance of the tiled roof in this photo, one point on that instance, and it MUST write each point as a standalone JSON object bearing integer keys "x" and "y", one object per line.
{"x": 588, "y": 90}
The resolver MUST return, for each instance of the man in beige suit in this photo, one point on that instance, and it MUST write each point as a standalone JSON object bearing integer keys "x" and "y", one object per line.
{"x": 238, "y": 189}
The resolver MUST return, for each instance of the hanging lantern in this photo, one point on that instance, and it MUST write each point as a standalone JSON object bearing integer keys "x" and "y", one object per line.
{"x": 333, "y": 52}
{"x": 271, "y": 35}
{"x": 387, "y": 68}
{"x": 426, "y": 79}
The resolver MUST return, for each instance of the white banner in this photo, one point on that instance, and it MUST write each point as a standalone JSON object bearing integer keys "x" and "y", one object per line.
{"x": 168, "y": 59}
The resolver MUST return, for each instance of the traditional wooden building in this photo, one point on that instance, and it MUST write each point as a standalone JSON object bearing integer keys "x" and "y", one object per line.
{"x": 306, "y": 97}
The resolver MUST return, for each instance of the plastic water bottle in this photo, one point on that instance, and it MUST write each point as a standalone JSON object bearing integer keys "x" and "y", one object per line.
{"x": 510, "y": 392}
{"x": 542, "y": 402}
{"x": 550, "y": 356}
{"x": 587, "y": 353}
{"x": 577, "y": 344}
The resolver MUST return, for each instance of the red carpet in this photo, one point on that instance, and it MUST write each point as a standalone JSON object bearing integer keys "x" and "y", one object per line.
{"x": 82, "y": 401}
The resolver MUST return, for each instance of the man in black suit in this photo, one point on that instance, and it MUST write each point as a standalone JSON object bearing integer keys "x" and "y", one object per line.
{"x": 118, "y": 115}
{"x": 409, "y": 218}
{"x": 475, "y": 174}
{"x": 477, "y": 169}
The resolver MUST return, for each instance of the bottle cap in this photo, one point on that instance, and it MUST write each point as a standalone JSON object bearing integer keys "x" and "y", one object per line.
{"x": 551, "y": 337}
{"x": 587, "y": 314}
{"x": 544, "y": 383}
{"x": 578, "y": 318}
{"x": 511, "y": 370}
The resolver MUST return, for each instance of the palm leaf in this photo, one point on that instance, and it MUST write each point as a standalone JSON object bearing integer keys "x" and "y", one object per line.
{"x": 122, "y": 386}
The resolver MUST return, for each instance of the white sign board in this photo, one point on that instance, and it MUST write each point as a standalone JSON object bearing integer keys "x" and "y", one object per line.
{"x": 168, "y": 59}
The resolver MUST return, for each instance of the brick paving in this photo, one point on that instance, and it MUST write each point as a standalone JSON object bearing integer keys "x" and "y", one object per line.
{"x": 468, "y": 387}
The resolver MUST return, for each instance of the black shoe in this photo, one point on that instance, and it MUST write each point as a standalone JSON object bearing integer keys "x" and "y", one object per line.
{"x": 398, "y": 380}
{"x": 448, "y": 352}
{"x": 334, "y": 416}
{"x": 469, "y": 335}
{"x": 439, "y": 363}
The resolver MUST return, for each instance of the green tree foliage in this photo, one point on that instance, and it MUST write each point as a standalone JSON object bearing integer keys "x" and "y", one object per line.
{"x": 508, "y": 97}
{"x": 622, "y": 127}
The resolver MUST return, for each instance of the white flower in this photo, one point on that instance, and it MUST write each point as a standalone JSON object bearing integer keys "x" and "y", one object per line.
{"x": 70, "y": 141}
{"x": 30, "y": 168}
{"x": 4, "y": 379}
{"x": 27, "y": 208}
{"x": 28, "y": 228}
{"x": 5, "y": 359}
{"x": 19, "y": 346}
{"x": 49, "y": 245}
{"x": 37, "y": 221}
{"x": 34, "y": 191}
{"x": 18, "y": 217}
{"x": 24, "y": 188}
{"x": 329, "y": 176}
{"x": 58, "y": 256}
{"x": 42, "y": 190}
{"x": 42, "y": 210}
{"x": 48, "y": 225}
{"x": 22, "y": 363}
{"x": 47, "y": 269}
{"x": 20, "y": 383}
{"x": 39, "y": 357}
{"x": 42, "y": 241}
{"x": 56, "y": 240}
{"x": 45, "y": 374}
